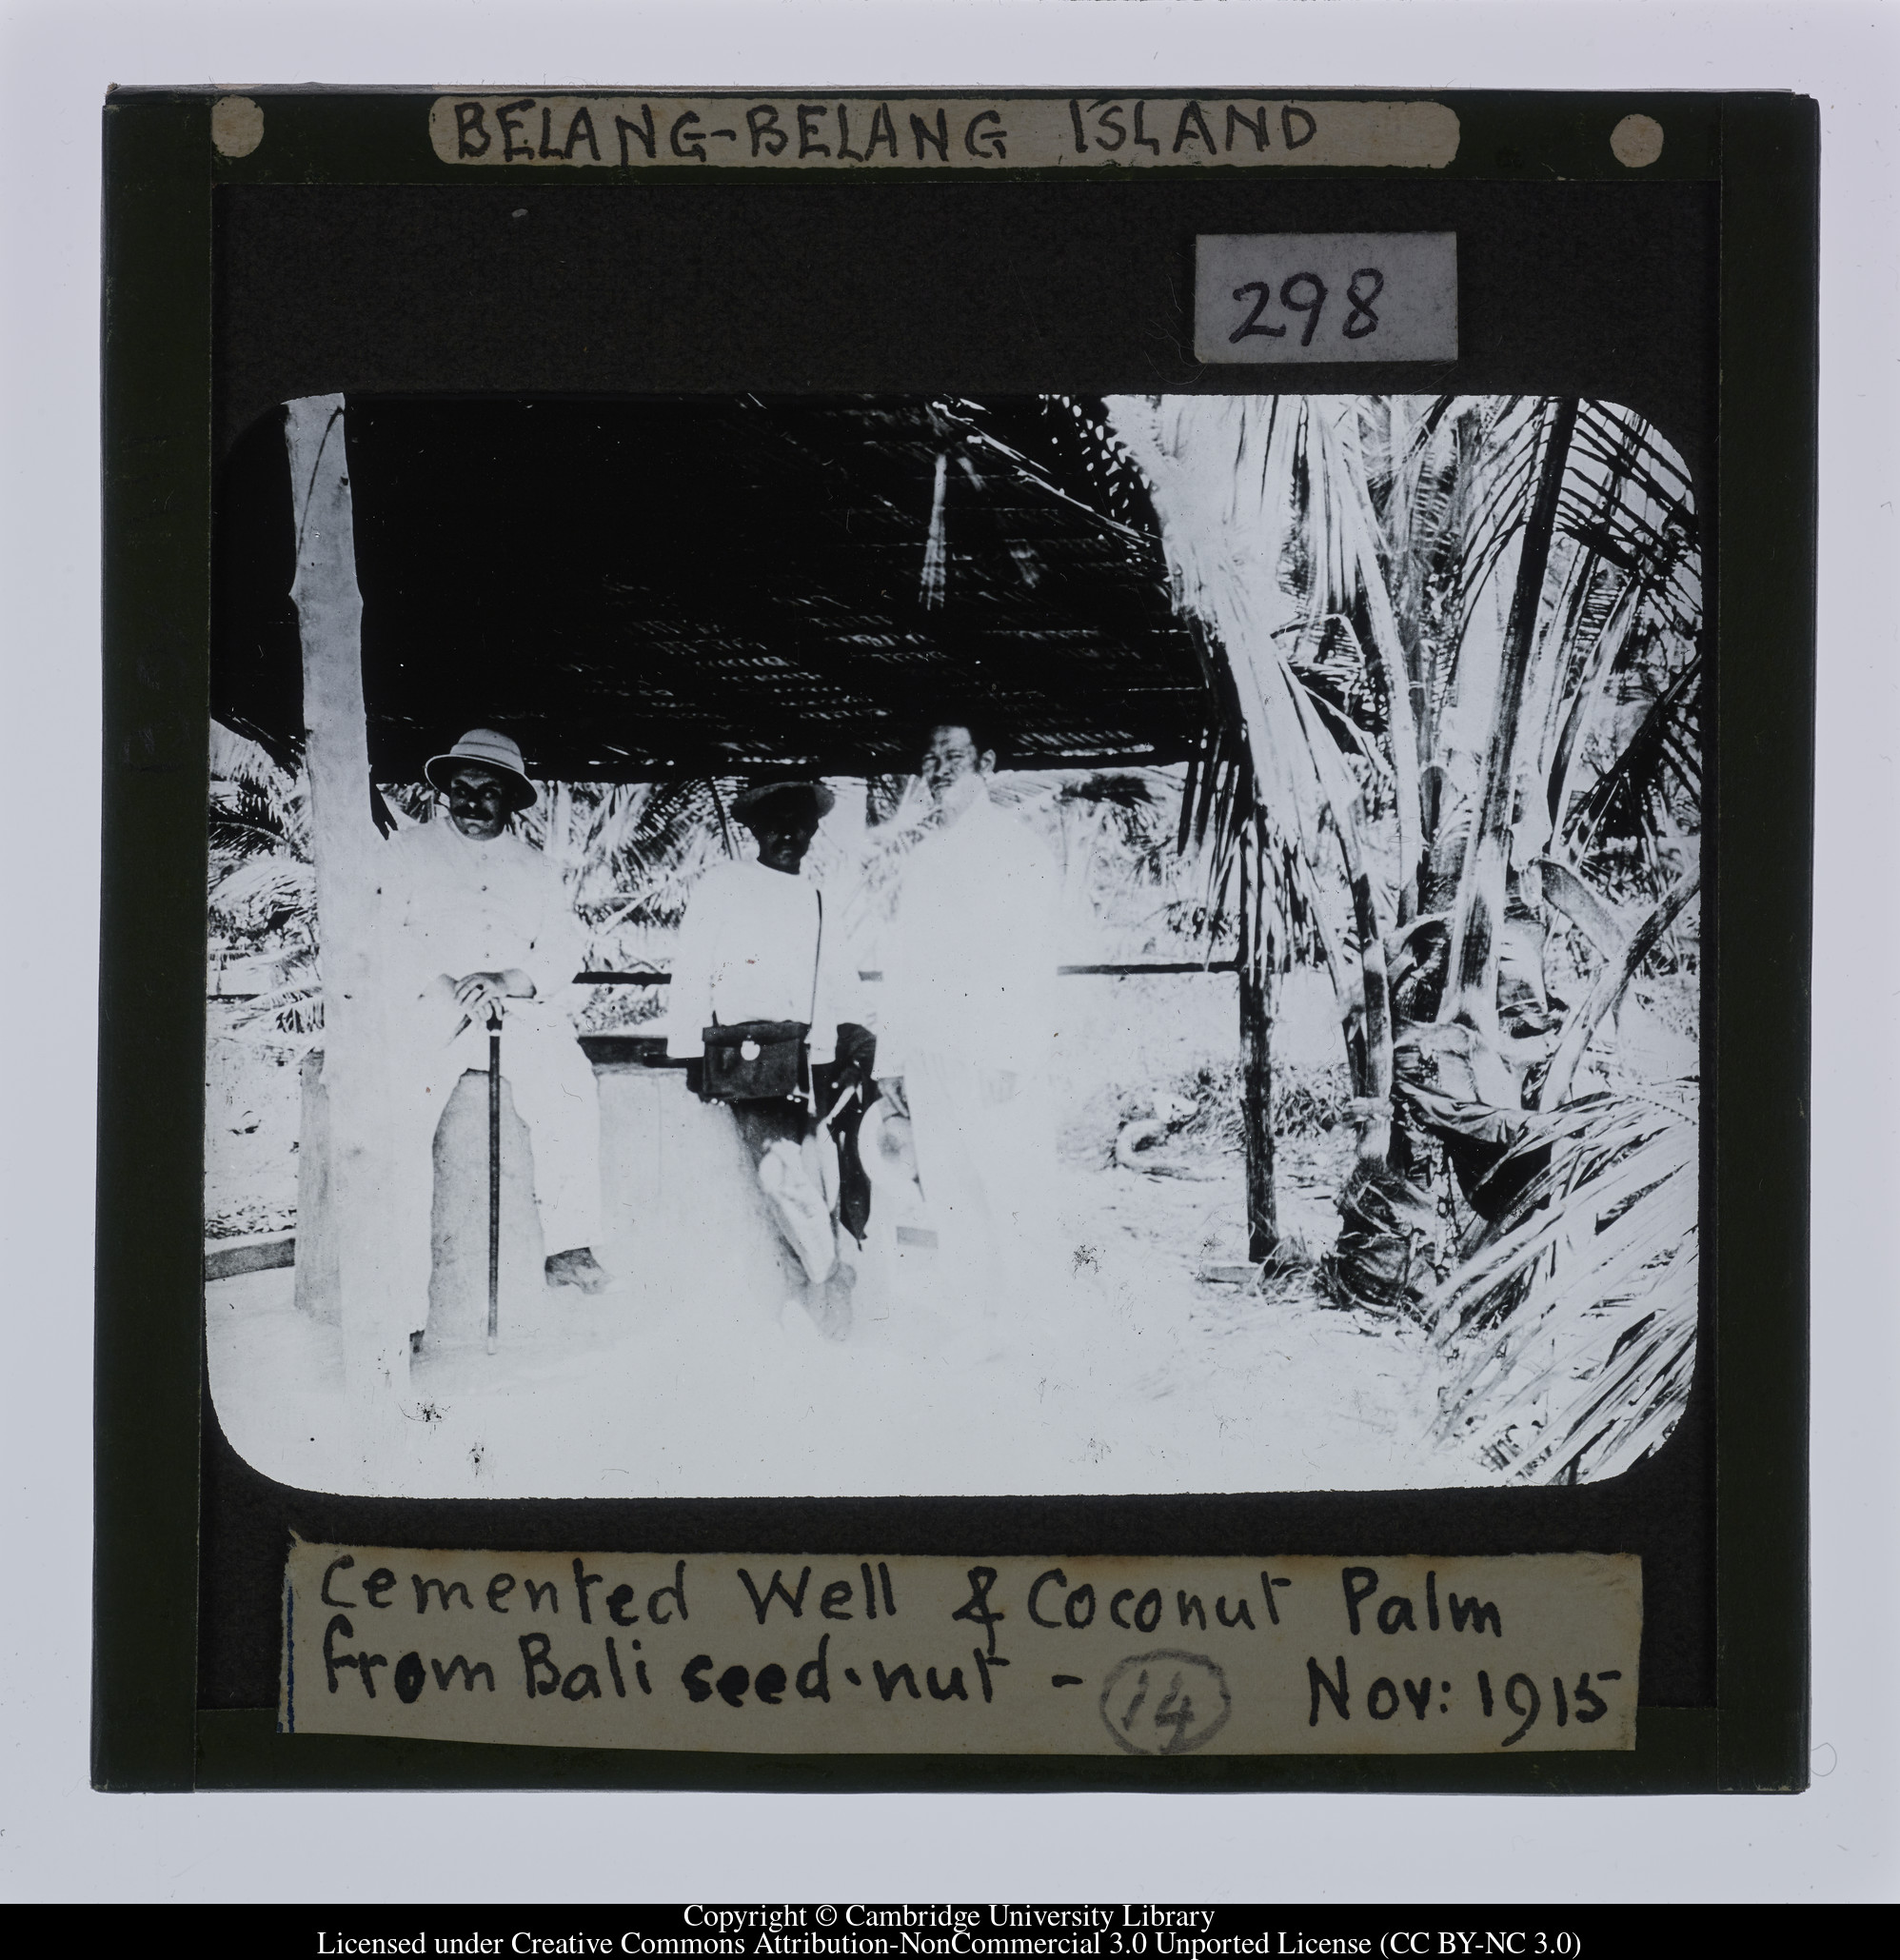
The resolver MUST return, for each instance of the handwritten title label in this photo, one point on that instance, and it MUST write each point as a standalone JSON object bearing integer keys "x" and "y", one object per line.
{"x": 833, "y": 132}
{"x": 1072, "y": 1657}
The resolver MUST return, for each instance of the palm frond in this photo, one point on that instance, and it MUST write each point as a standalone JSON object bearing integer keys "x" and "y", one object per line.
{"x": 1660, "y": 758}
{"x": 1610, "y": 983}
{"x": 1226, "y": 526}
{"x": 1568, "y": 1335}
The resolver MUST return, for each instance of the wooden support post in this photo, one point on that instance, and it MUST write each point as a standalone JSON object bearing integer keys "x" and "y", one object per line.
{"x": 344, "y": 844}
{"x": 329, "y": 622}
{"x": 1257, "y": 1079}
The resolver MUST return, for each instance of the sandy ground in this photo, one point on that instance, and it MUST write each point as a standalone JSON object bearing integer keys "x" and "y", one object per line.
{"x": 1131, "y": 1376}
{"x": 252, "y": 1111}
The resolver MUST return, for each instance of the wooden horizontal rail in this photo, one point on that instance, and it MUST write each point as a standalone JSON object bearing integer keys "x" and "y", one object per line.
{"x": 228, "y": 1260}
{"x": 1126, "y": 966}
{"x": 1115, "y": 968}
{"x": 1111, "y": 968}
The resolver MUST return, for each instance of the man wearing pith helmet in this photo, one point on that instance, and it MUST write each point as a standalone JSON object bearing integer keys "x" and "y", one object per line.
{"x": 473, "y": 916}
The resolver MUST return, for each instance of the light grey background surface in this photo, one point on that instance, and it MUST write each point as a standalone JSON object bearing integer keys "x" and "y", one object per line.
{"x": 59, "y": 1841}
{"x": 1280, "y": 297}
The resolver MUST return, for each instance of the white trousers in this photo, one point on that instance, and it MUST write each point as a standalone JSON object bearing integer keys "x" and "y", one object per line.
{"x": 550, "y": 1081}
{"x": 987, "y": 1173}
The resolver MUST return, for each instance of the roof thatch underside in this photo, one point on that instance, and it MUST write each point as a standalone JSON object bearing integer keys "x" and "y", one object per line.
{"x": 645, "y": 588}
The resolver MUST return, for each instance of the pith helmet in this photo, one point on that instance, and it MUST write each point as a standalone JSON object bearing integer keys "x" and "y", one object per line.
{"x": 492, "y": 751}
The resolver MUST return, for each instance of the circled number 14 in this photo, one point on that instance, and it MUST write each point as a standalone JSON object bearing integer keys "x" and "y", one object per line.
{"x": 1306, "y": 292}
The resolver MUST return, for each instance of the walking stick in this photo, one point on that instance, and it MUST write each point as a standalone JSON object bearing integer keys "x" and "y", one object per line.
{"x": 494, "y": 1171}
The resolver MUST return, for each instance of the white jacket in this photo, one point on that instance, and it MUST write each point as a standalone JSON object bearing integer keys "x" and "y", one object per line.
{"x": 970, "y": 960}
{"x": 749, "y": 950}
{"x": 454, "y": 904}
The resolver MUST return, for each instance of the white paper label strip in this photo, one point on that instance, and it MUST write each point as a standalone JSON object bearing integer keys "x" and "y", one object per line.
{"x": 973, "y": 132}
{"x": 864, "y": 1654}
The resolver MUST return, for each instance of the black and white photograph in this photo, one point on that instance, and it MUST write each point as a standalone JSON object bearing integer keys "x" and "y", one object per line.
{"x": 934, "y": 946}
{"x": 812, "y": 822}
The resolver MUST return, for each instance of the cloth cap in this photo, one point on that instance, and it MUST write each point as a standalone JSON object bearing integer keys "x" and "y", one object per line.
{"x": 748, "y": 803}
{"x": 492, "y": 751}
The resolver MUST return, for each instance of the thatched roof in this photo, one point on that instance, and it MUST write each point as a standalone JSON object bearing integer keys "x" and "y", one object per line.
{"x": 641, "y": 588}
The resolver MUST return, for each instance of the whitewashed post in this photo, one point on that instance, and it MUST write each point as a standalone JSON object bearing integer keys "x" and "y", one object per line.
{"x": 345, "y": 845}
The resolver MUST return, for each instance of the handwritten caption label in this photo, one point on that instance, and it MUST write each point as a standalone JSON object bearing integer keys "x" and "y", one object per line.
{"x": 1284, "y": 296}
{"x": 1072, "y": 1657}
{"x": 832, "y": 132}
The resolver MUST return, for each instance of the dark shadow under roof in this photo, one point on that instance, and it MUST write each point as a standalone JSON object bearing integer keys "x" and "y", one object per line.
{"x": 638, "y": 588}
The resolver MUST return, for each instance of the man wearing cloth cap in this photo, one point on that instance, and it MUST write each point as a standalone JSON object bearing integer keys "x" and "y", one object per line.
{"x": 758, "y": 945}
{"x": 473, "y": 916}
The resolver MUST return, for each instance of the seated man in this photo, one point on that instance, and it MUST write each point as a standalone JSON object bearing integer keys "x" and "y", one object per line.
{"x": 472, "y": 917}
{"x": 761, "y": 954}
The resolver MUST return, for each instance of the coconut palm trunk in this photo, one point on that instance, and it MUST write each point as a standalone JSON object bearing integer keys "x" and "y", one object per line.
{"x": 1478, "y": 912}
{"x": 1468, "y": 797}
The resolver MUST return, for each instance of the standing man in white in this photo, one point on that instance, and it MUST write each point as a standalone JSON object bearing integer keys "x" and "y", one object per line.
{"x": 472, "y": 916}
{"x": 763, "y": 964}
{"x": 967, "y": 1033}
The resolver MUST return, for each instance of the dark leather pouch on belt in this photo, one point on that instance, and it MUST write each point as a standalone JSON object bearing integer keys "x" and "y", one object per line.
{"x": 756, "y": 1061}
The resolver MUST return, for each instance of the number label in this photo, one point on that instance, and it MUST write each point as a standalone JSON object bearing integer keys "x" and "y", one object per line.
{"x": 1327, "y": 296}
{"x": 1165, "y": 1703}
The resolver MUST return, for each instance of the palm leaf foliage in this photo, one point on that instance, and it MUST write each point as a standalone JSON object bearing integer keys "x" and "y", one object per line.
{"x": 1459, "y": 637}
{"x": 263, "y": 884}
